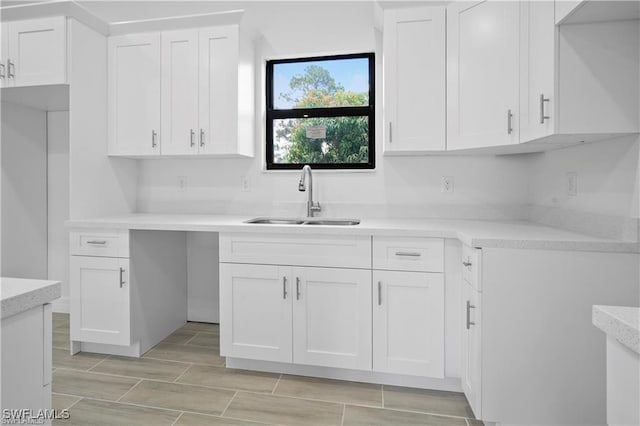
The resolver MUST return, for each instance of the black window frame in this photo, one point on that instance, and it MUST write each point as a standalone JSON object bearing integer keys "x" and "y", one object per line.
{"x": 359, "y": 111}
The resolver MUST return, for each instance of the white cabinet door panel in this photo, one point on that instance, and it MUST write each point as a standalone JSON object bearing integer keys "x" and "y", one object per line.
{"x": 100, "y": 300}
{"x": 255, "y": 312}
{"x": 414, "y": 59}
{"x": 4, "y": 54}
{"x": 332, "y": 317}
{"x": 134, "y": 94}
{"x": 471, "y": 348}
{"x": 408, "y": 323}
{"x": 482, "y": 83}
{"x": 38, "y": 52}
{"x": 218, "y": 90}
{"x": 179, "y": 92}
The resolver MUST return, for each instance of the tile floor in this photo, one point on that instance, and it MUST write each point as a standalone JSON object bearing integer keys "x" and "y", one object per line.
{"x": 183, "y": 381}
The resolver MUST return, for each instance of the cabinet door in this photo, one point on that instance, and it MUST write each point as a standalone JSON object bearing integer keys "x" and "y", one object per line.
{"x": 4, "y": 53}
{"x": 471, "y": 348}
{"x": 414, "y": 79}
{"x": 408, "y": 323}
{"x": 255, "y": 312}
{"x": 179, "y": 92}
{"x": 37, "y": 52}
{"x": 134, "y": 94}
{"x": 218, "y": 90}
{"x": 332, "y": 317}
{"x": 100, "y": 300}
{"x": 482, "y": 74}
{"x": 537, "y": 69}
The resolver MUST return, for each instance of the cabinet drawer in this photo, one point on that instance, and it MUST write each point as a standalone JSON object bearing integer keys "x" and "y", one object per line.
{"x": 471, "y": 266}
{"x": 408, "y": 254}
{"x": 297, "y": 250}
{"x": 100, "y": 243}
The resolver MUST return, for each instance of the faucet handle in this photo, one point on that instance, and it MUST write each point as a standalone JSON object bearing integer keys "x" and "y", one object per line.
{"x": 315, "y": 206}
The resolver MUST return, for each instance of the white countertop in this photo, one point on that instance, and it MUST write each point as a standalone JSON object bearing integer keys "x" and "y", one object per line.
{"x": 19, "y": 295}
{"x": 620, "y": 322}
{"x": 475, "y": 233}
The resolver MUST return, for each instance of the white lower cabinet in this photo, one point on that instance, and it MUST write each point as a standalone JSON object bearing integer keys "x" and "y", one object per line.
{"x": 332, "y": 317}
{"x": 471, "y": 348}
{"x": 100, "y": 302}
{"x": 255, "y": 312}
{"x": 408, "y": 323}
{"x": 312, "y": 316}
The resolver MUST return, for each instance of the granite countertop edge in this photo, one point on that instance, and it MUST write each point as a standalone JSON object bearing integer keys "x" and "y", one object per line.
{"x": 619, "y": 322}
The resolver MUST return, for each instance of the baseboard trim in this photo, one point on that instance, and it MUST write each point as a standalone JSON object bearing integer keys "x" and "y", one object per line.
{"x": 451, "y": 384}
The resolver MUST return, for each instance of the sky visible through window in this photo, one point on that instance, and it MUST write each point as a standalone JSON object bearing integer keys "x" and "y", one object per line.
{"x": 352, "y": 74}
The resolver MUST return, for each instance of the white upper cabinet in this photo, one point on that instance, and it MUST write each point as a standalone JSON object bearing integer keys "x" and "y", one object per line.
{"x": 4, "y": 53}
{"x": 202, "y": 93}
{"x": 134, "y": 94}
{"x": 537, "y": 64}
{"x": 414, "y": 80}
{"x": 179, "y": 92}
{"x": 34, "y": 52}
{"x": 482, "y": 74}
{"x": 219, "y": 90}
{"x": 577, "y": 82}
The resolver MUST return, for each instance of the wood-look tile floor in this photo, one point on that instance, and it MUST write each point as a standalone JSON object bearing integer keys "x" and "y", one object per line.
{"x": 183, "y": 381}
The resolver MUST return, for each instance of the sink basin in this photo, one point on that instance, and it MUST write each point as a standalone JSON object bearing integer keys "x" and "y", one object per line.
{"x": 303, "y": 221}
{"x": 275, "y": 221}
{"x": 333, "y": 222}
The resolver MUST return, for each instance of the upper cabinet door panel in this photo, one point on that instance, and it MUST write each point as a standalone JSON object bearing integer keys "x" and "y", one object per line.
{"x": 179, "y": 92}
{"x": 482, "y": 73}
{"x": 218, "y": 90}
{"x": 37, "y": 52}
{"x": 134, "y": 94}
{"x": 414, "y": 66}
{"x": 537, "y": 69}
{"x": 4, "y": 54}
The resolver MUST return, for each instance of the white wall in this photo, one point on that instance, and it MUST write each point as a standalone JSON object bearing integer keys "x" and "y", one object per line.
{"x": 24, "y": 192}
{"x": 58, "y": 202}
{"x": 484, "y": 186}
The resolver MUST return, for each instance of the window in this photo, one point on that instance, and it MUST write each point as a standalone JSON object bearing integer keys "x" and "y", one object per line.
{"x": 320, "y": 111}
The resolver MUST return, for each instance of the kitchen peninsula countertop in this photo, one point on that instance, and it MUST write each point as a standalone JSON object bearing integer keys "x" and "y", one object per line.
{"x": 619, "y": 322}
{"x": 19, "y": 295}
{"x": 475, "y": 233}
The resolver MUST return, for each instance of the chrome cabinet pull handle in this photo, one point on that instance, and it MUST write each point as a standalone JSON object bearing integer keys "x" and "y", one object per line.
{"x": 542, "y": 102}
{"x": 469, "y": 322}
{"x": 121, "y": 277}
{"x": 466, "y": 264}
{"x": 11, "y": 68}
{"x": 154, "y": 135}
{"x": 2, "y": 68}
{"x": 408, "y": 254}
{"x": 379, "y": 293}
{"x": 192, "y": 137}
{"x": 284, "y": 288}
{"x": 297, "y": 288}
{"x": 201, "y": 137}
{"x": 509, "y": 124}
{"x": 97, "y": 242}
{"x": 390, "y": 133}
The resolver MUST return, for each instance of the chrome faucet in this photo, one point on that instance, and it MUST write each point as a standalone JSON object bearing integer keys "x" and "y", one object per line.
{"x": 312, "y": 206}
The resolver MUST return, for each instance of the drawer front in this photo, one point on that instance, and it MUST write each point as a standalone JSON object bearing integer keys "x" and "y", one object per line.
{"x": 100, "y": 243}
{"x": 471, "y": 266}
{"x": 408, "y": 254}
{"x": 296, "y": 250}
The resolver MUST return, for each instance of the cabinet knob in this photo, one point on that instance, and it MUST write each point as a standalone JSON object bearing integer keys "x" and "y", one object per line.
{"x": 284, "y": 288}
{"x": 121, "y": 277}
{"x": 509, "y": 122}
{"x": 192, "y": 137}
{"x": 466, "y": 264}
{"x": 11, "y": 68}
{"x": 469, "y": 307}
{"x": 2, "y": 68}
{"x": 297, "y": 288}
{"x": 154, "y": 136}
{"x": 201, "y": 137}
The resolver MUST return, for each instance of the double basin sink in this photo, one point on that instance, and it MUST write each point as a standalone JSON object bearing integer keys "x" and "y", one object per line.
{"x": 303, "y": 221}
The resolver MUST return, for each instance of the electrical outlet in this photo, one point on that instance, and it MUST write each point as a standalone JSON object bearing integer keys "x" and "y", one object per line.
{"x": 572, "y": 184}
{"x": 446, "y": 185}
{"x": 182, "y": 183}
{"x": 246, "y": 186}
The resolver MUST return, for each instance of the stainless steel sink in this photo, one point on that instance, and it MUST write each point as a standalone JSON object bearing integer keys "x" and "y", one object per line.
{"x": 333, "y": 222}
{"x": 303, "y": 221}
{"x": 275, "y": 221}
